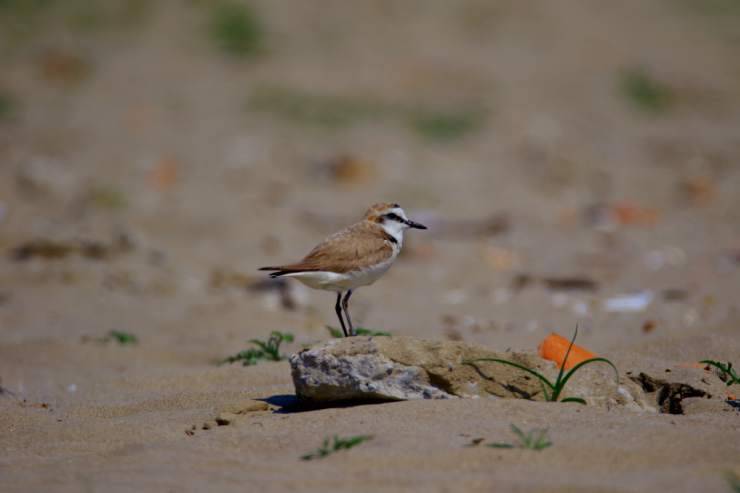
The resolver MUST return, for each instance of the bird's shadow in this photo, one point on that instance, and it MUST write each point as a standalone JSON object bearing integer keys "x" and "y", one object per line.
{"x": 289, "y": 404}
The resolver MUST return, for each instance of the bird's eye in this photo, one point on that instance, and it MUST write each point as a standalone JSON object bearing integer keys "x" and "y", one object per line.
{"x": 393, "y": 216}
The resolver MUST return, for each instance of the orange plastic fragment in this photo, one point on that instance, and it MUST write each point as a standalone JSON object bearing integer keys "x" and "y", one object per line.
{"x": 164, "y": 174}
{"x": 554, "y": 347}
{"x": 632, "y": 215}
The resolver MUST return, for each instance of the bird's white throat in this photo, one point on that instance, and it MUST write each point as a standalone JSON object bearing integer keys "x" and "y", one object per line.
{"x": 395, "y": 229}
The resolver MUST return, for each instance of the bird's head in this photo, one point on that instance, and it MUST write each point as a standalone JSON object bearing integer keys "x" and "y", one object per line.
{"x": 391, "y": 217}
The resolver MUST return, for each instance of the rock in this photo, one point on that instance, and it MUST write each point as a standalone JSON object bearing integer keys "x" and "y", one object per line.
{"x": 401, "y": 368}
{"x": 687, "y": 392}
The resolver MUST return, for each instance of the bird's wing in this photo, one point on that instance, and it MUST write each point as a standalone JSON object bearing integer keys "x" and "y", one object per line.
{"x": 353, "y": 248}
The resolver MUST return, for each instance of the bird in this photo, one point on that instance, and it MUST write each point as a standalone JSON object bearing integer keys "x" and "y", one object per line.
{"x": 355, "y": 256}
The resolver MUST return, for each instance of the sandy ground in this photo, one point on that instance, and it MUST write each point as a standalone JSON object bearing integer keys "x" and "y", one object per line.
{"x": 141, "y": 139}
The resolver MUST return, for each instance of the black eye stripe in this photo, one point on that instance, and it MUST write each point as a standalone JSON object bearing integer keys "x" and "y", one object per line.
{"x": 394, "y": 216}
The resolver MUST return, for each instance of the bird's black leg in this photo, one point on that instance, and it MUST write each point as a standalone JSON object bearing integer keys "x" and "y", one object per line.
{"x": 345, "y": 302}
{"x": 338, "y": 309}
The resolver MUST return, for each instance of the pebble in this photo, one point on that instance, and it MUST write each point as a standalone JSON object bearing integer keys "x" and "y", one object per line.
{"x": 454, "y": 297}
{"x": 559, "y": 300}
{"x": 501, "y": 296}
{"x": 633, "y": 302}
{"x": 690, "y": 317}
{"x": 580, "y": 308}
{"x": 670, "y": 256}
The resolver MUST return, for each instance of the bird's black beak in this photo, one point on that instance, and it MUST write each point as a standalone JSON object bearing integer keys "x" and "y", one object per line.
{"x": 415, "y": 225}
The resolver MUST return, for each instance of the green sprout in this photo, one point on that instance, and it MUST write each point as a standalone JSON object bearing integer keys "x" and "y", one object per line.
{"x": 122, "y": 338}
{"x": 107, "y": 197}
{"x": 645, "y": 92}
{"x": 727, "y": 372}
{"x": 266, "y": 350}
{"x": 8, "y": 104}
{"x": 446, "y": 126}
{"x": 535, "y": 439}
{"x": 553, "y": 390}
{"x": 18, "y": 8}
{"x": 734, "y": 481}
{"x": 236, "y": 29}
{"x": 360, "y": 331}
{"x": 335, "y": 445}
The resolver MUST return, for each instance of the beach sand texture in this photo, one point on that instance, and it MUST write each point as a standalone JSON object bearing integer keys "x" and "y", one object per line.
{"x": 562, "y": 154}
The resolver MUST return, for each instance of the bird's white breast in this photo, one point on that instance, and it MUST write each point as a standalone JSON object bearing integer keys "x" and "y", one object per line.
{"x": 340, "y": 282}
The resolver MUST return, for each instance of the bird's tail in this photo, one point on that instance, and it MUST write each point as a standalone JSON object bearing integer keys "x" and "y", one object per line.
{"x": 281, "y": 271}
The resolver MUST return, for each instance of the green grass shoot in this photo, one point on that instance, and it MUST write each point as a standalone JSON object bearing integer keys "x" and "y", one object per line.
{"x": 446, "y": 126}
{"x": 336, "y": 444}
{"x": 7, "y": 105}
{"x": 19, "y": 8}
{"x": 714, "y": 8}
{"x": 268, "y": 350}
{"x": 734, "y": 481}
{"x": 554, "y": 390}
{"x": 645, "y": 92}
{"x": 121, "y": 337}
{"x": 727, "y": 372}
{"x": 360, "y": 331}
{"x": 535, "y": 439}
{"x": 236, "y": 29}
{"x": 107, "y": 197}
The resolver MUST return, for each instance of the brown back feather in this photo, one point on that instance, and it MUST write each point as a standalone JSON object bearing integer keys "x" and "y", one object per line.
{"x": 356, "y": 247}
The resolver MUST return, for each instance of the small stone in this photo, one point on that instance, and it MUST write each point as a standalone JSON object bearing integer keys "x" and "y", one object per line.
{"x": 559, "y": 300}
{"x": 454, "y": 297}
{"x": 580, "y": 308}
{"x": 501, "y": 296}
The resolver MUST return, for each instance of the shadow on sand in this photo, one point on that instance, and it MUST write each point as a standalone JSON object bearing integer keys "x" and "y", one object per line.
{"x": 289, "y": 403}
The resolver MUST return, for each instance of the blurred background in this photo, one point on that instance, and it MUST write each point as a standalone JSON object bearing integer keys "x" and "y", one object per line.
{"x": 154, "y": 154}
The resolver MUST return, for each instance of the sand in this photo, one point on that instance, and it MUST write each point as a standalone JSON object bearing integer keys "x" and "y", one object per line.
{"x": 152, "y": 154}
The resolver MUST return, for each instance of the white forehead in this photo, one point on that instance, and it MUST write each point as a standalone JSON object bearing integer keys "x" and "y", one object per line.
{"x": 399, "y": 212}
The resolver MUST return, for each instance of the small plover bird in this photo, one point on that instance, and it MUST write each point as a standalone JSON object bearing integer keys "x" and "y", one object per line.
{"x": 355, "y": 256}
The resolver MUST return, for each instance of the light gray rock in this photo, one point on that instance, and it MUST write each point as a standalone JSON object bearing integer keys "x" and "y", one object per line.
{"x": 331, "y": 373}
{"x": 403, "y": 368}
